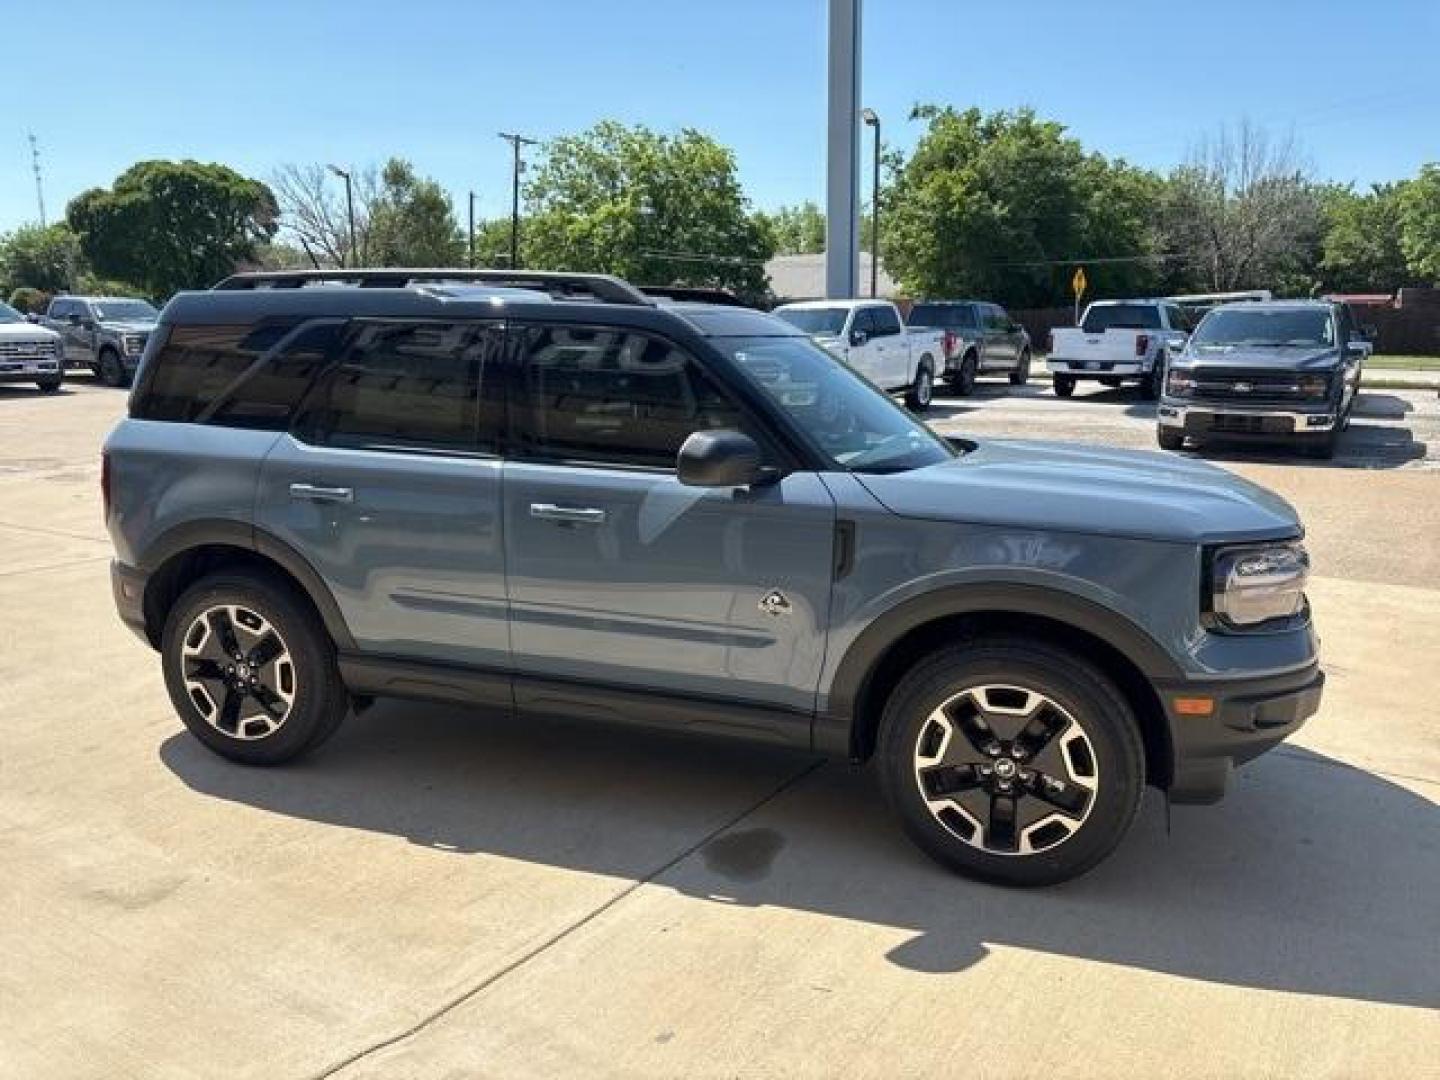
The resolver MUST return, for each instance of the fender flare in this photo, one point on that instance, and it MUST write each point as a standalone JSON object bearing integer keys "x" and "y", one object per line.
{"x": 836, "y": 723}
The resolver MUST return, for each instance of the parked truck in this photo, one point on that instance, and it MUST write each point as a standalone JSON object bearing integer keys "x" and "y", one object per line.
{"x": 979, "y": 338}
{"x": 1118, "y": 341}
{"x": 871, "y": 338}
{"x": 107, "y": 334}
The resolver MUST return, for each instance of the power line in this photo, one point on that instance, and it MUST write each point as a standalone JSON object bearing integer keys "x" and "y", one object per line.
{"x": 39, "y": 183}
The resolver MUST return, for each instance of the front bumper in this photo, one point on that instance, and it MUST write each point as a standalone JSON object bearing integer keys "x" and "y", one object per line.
{"x": 28, "y": 369}
{"x": 1204, "y": 418}
{"x": 1249, "y": 717}
{"x": 127, "y": 585}
{"x": 1093, "y": 369}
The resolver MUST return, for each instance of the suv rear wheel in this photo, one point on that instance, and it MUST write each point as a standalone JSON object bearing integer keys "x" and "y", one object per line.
{"x": 250, "y": 669}
{"x": 1011, "y": 760}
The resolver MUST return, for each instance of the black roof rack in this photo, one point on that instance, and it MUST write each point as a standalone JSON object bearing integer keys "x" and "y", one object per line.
{"x": 562, "y": 286}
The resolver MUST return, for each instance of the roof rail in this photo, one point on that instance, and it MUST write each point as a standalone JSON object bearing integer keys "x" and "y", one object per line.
{"x": 695, "y": 293}
{"x": 562, "y": 286}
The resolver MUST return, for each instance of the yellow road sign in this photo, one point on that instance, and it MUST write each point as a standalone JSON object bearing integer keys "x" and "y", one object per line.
{"x": 1078, "y": 282}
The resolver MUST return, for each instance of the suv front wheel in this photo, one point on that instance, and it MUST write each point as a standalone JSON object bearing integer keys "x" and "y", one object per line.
{"x": 250, "y": 669}
{"x": 1011, "y": 760}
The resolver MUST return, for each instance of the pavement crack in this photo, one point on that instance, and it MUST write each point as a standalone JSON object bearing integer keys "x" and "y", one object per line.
{"x": 52, "y": 532}
{"x": 564, "y": 932}
{"x": 54, "y": 566}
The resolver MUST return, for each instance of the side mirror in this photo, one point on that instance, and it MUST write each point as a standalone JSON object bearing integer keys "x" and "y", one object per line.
{"x": 719, "y": 459}
{"x": 74, "y": 318}
{"x": 31, "y": 317}
{"x": 858, "y": 337}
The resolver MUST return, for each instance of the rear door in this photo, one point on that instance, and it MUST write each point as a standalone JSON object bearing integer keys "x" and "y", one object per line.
{"x": 389, "y": 485}
{"x": 623, "y": 579}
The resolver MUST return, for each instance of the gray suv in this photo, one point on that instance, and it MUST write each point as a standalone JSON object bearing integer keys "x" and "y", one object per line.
{"x": 554, "y": 494}
{"x": 107, "y": 334}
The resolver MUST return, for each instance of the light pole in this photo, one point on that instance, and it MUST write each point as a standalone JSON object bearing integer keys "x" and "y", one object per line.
{"x": 872, "y": 119}
{"x": 349, "y": 208}
{"x": 472, "y": 230}
{"x": 516, "y": 142}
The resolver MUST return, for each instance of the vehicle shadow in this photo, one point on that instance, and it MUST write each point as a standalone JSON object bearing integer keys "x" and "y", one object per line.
{"x": 30, "y": 390}
{"x": 1362, "y": 446}
{"x": 1312, "y": 877}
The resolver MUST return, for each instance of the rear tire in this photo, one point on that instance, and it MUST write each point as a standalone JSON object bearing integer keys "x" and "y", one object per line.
{"x": 1011, "y": 760}
{"x": 1154, "y": 382}
{"x": 1169, "y": 439}
{"x": 922, "y": 390}
{"x": 1064, "y": 385}
{"x": 963, "y": 381}
{"x": 281, "y": 698}
{"x": 1021, "y": 375}
{"x": 1322, "y": 447}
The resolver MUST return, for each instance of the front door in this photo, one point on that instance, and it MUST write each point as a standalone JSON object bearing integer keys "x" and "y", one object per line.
{"x": 620, "y": 577}
{"x": 389, "y": 486}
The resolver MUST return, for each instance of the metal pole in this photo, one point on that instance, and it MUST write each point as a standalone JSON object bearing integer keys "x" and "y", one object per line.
{"x": 344, "y": 174}
{"x": 842, "y": 188}
{"x": 872, "y": 119}
{"x": 472, "y": 231}
{"x": 516, "y": 142}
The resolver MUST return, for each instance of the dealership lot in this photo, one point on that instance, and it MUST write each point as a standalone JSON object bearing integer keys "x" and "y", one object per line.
{"x": 441, "y": 894}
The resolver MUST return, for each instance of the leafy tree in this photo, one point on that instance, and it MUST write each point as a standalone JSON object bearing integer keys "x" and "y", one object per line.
{"x": 1420, "y": 223}
{"x": 30, "y": 301}
{"x": 172, "y": 225}
{"x": 1003, "y": 205}
{"x": 796, "y": 230}
{"x": 1362, "y": 249}
{"x": 652, "y": 208}
{"x": 412, "y": 222}
{"x": 46, "y": 258}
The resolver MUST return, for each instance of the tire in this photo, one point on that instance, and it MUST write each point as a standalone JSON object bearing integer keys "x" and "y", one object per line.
{"x": 1092, "y": 750}
{"x": 110, "y": 368}
{"x": 1322, "y": 447}
{"x": 49, "y": 386}
{"x": 963, "y": 381}
{"x": 1169, "y": 439}
{"x": 922, "y": 390}
{"x": 1064, "y": 385}
{"x": 1021, "y": 375}
{"x": 279, "y": 713}
{"x": 1154, "y": 382}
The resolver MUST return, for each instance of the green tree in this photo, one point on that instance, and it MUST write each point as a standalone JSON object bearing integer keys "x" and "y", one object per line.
{"x": 46, "y": 258}
{"x": 412, "y": 222}
{"x": 796, "y": 230}
{"x": 1004, "y": 204}
{"x": 1361, "y": 245}
{"x": 172, "y": 225}
{"x": 1420, "y": 223}
{"x": 652, "y": 208}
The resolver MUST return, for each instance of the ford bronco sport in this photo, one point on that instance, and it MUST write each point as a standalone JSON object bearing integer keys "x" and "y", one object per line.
{"x": 554, "y": 494}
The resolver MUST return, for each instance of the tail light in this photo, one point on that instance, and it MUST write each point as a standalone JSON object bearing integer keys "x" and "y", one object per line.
{"x": 947, "y": 343}
{"x": 105, "y": 482}
{"x": 1142, "y": 344}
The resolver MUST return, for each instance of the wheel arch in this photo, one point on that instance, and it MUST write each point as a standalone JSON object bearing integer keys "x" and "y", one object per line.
{"x": 890, "y": 646}
{"x": 184, "y": 554}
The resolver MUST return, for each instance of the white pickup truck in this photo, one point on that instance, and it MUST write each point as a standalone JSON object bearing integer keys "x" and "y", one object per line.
{"x": 871, "y": 338}
{"x": 1118, "y": 341}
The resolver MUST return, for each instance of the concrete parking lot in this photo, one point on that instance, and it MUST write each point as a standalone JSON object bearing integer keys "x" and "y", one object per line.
{"x": 441, "y": 894}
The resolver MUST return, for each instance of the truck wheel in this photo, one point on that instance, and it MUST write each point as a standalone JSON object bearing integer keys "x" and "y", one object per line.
{"x": 963, "y": 381}
{"x": 48, "y": 386}
{"x": 922, "y": 390}
{"x": 111, "y": 370}
{"x": 1021, "y": 375}
{"x": 1011, "y": 760}
{"x": 1154, "y": 382}
{"x": 1169, "y": 438}
{"x": 250, "y": 669}
{"x": 1064, "y": 385}
{"x": 1323, "y": 446}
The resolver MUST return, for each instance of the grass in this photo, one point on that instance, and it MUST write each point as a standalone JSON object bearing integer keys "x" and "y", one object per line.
{"x": 1405, "y": 363}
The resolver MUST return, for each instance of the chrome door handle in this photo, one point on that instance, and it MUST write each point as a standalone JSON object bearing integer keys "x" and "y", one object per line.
{"x": 588, "y": 515}
{"x": 322, "y": 494}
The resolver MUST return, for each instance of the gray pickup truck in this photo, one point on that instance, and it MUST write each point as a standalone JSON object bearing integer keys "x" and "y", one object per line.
{"x": 546, "y": 493}
{"x": 107, "y": 334}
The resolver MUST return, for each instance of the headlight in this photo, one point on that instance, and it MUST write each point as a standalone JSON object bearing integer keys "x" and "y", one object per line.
{"x": 1259, "y": 583}
{"x": 1179, "y": 382}
{"x": 1314, "y": 386}
{"x": 134, "y": 343}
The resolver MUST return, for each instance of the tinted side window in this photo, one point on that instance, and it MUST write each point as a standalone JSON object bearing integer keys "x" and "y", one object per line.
{"x": 970, "y": 320}
{"x": 197, "y": 364}
{"x": 265, "y": 395}
{"x": 60, "y": 309}
{"x": 886, "y": 321}
{"x": 864, "y": 320}
{"x": 612, "y": 396}
{"x": 411, "y": 386}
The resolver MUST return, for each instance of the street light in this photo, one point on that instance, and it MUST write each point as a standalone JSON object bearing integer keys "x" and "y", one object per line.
{"x": 349, "y": 208}
{"x": 472, "y": 230}
{"x": 872, "y": 119}
{"x": 516, "y": 142}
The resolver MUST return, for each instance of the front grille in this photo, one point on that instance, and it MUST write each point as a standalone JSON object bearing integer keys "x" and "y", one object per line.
{"x": 1260, "y": 388}
{"x": 44, "y": 347}
{"x": 1238, "y": 424}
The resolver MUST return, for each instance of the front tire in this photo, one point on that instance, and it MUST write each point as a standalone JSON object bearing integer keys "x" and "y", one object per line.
{"x": 922, "y": 390}
{"x": 1011, "y": 760}
{"x": 48, "y": 386}
{"x": 110, "y": 369}
{"x": 1169, "y": 439}
{"x": 1064, "y": 385}
{"x": 1021, "y": 375}
{"x": 250, "y": 669}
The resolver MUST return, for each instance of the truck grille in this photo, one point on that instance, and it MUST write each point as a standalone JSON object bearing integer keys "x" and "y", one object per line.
{"x": 1259, "y": 388}
{"x": 13, "y": 349}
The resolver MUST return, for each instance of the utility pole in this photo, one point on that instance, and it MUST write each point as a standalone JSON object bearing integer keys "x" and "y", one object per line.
{"x": 472, "y": 231}
{"x": 872, "y": 119}
{"x": 344, "y": 174}
{"x": 39, "y": 183}
{"x": 516, "y": 142}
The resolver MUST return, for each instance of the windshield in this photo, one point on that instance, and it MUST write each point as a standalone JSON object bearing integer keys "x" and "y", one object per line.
{"x": 826, "y": 320}
{"x": 856, "y": 425}
{"x": 125, "y": 311}
{"x": 9, "y": 314}
{"x": 1262, "y": 326}
{"x": 1121, "y": 317}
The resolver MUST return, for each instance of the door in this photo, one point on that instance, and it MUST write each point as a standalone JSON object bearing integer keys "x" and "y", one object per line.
{"x": 867, "y": 358}
{"x": 389, "y": 485}
{"x": 623, "y": 579}
{"x": 894, "y": 348}
{"x": 64, "y": 316}
{"x": 1000, "y": 352}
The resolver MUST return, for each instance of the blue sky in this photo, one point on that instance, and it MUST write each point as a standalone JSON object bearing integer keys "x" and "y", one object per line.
{"x": 255, "y": 84}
